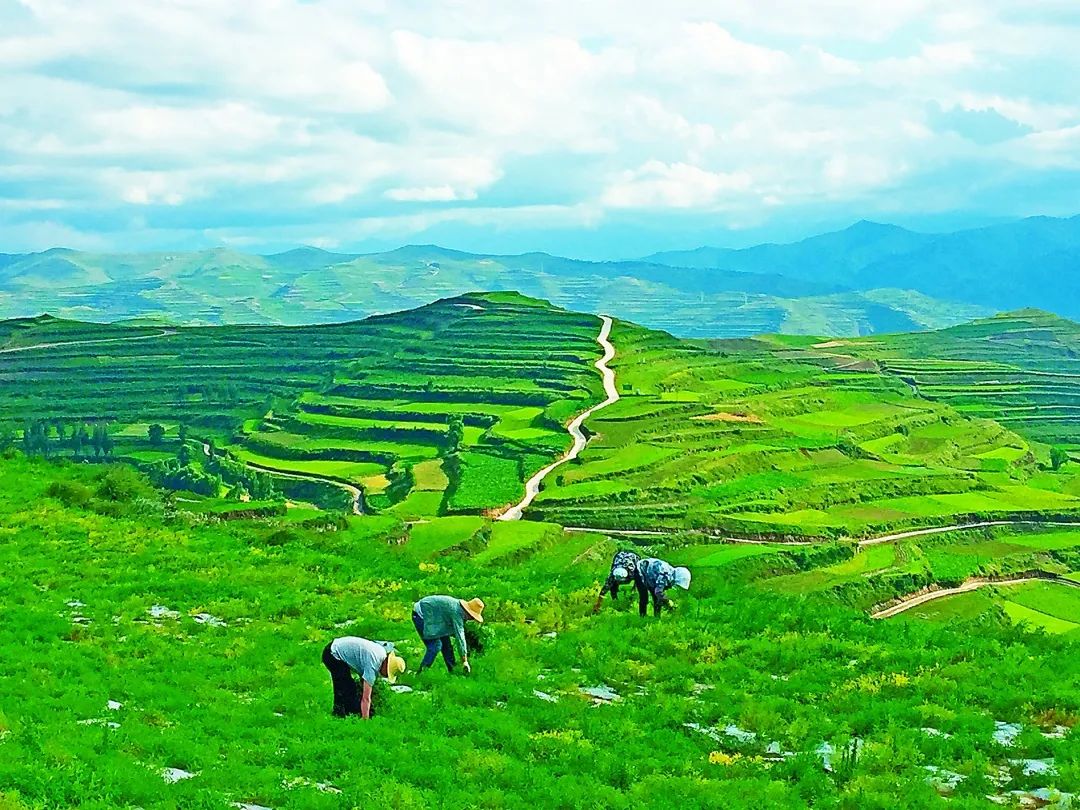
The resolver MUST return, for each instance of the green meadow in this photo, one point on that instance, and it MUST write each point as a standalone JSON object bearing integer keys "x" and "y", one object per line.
{"x": 192, "y": 513}
{"x": 140, "y": 637}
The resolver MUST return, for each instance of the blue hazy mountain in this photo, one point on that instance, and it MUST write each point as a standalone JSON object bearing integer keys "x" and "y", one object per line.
{"x": 1032, "y": 262}
{"x": 865, "y": 279}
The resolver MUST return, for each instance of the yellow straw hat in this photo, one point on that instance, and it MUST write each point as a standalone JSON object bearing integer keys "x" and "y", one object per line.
{"x": 395, "y": 665}
{"x": 475, "y": 608}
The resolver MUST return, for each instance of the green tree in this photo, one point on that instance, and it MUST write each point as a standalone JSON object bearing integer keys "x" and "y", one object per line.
{"x": 156, "y": 434}
{"x": 1058, "y": 457}
{"x": 455, "y": 433}
{"x": 80, "y": 440}
{"x": 36, "y": 437}
{"x": 183, "y": 432}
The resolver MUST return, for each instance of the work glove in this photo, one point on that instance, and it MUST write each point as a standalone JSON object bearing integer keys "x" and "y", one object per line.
{"x": 467, "y": 667}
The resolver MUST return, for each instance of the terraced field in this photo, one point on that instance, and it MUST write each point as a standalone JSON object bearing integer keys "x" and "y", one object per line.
{"x": 449, "y": 408}
{"x": 444, "y": 409}
{"x": 1021, "y": 369}
{"x": 883, "y": 575}
{"x": 777, "y": 437}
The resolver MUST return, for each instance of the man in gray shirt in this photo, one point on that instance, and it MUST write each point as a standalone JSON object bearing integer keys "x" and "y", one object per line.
{"x": 369, "y": 660}
{"x": 436, "y": 619}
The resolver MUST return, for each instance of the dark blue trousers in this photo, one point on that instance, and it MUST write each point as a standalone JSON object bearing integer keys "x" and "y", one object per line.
{"x": 433, "y": 645}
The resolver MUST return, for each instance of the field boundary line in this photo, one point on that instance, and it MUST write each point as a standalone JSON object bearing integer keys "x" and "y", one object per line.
{"x": 888, "y": 538}
{"x": 62, "y": 344}
{"x": 922, "y": 597}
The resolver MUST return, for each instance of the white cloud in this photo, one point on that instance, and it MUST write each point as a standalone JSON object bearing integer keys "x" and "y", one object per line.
{"x": 429, "y": 194}
{"x": 847, "y": 172}
{"x": 146, "y": 188}
{"x": 343, "y": 111}
{"x": 677, "y": 185}
{"x": 708, "y": 48}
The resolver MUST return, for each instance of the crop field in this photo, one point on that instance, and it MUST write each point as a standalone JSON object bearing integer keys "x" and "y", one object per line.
{"x": 1020, "y": 369}
{"x": 175, "y": 663}
{"x": 197, "y": 590}
{"x": 464, "y": 398}
{"x": 772, "y": 437}
{"x": 450, "y": 408}
{"x": 875, "y": 575}
{"x": 1038, "y": 606}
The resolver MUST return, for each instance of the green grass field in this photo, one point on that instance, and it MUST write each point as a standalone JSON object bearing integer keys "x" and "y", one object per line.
{"x": 204, "y": 639}
{"x": 440, "y": 415}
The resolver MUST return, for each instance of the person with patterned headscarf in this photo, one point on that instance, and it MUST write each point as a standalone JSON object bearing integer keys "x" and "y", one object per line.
{"x": 623, "y": 571}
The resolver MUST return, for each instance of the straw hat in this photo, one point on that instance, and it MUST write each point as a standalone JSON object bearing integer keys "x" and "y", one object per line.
{"x": 619, "y": 572}
{"x": 475, "y": 608}
{"x": 395, "y": 665}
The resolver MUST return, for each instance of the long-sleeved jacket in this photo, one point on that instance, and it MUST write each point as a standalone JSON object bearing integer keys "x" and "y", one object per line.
{"x": 443, "y": 616}
{"x": 654, "y": 577}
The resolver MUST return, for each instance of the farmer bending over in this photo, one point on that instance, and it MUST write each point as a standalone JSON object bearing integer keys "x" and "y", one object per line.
{"x": 655, "y": 577}
{"x": 436, "y": 619}
{"x": 623, "y": 571}
{"x": 349, "y": 654}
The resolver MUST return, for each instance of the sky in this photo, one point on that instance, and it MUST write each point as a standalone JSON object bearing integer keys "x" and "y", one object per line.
{"x": 599, "y": 129}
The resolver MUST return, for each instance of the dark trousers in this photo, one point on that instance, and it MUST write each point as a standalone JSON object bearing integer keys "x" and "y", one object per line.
{"x": 433, "y": 645}
{"x": 346, "y": 694}
{"x": 659, "y": 600}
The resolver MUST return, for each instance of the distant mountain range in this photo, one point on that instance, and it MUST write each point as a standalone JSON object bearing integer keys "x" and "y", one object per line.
{"x": 1030, "y": 263}
{"x": 866, "y": 279}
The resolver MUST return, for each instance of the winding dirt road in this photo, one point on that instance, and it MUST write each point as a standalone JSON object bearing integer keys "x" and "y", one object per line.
{"x": 60, "y": 344}
{"x": 532, "y": 486}
{"x": 964, "y": 587}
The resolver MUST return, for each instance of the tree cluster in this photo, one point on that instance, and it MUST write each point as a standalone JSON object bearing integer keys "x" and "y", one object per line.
{"x": 42, "y": 437}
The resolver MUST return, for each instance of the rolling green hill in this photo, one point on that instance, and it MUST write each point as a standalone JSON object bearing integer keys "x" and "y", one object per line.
{"x": 308, "y": 286}
{"x": 1021, "y": 369}
{"x": 160, "y": 631}
{"x": 368, "y": 403}
{"x": 449, "y": 408}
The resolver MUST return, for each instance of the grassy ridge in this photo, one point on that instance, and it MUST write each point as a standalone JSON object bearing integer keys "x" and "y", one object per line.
{"x": 244, "y": 705}
{"x": 1020, "y": 369}
{"x": 789, "y": 437}
{"x": 362, "y": 403}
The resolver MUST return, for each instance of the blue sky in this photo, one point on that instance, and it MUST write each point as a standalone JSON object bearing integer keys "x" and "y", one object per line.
{"x": 608, "y": 128}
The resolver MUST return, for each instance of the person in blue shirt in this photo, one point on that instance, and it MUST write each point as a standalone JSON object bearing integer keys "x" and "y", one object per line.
{"x": 437, "y": 619}
{"x": 368, "y": 659}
